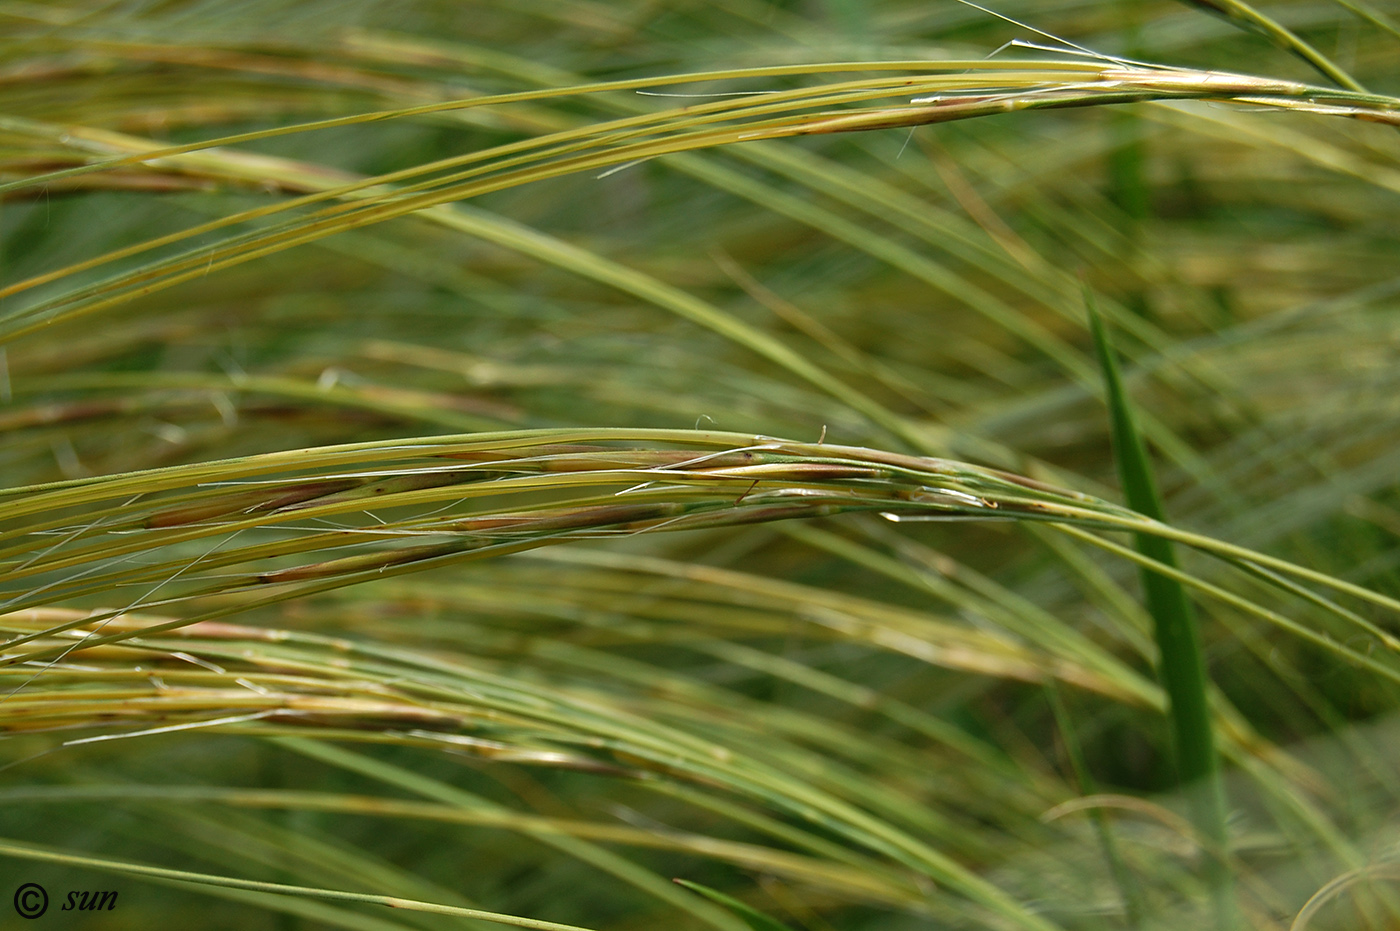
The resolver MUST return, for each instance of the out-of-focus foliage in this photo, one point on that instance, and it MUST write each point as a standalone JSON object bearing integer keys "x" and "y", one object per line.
{"x": 542, "y": 669}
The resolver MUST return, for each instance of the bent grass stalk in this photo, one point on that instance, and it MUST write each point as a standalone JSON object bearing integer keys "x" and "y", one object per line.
{"x": 968, "y": 98}
{"x": 447, "y": 498}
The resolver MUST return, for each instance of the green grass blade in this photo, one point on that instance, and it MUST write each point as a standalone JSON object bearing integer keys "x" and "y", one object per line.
{"x": 1181, "y": 665}
{"x": 752, "y": 916}
{"x": 26, "y": 851}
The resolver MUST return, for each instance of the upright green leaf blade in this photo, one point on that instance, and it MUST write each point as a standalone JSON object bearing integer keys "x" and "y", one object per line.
{"x": 1181, "y": 666}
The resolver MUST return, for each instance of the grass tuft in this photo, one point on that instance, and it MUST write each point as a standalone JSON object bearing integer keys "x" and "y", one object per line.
{"x": 491, "y": 459}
